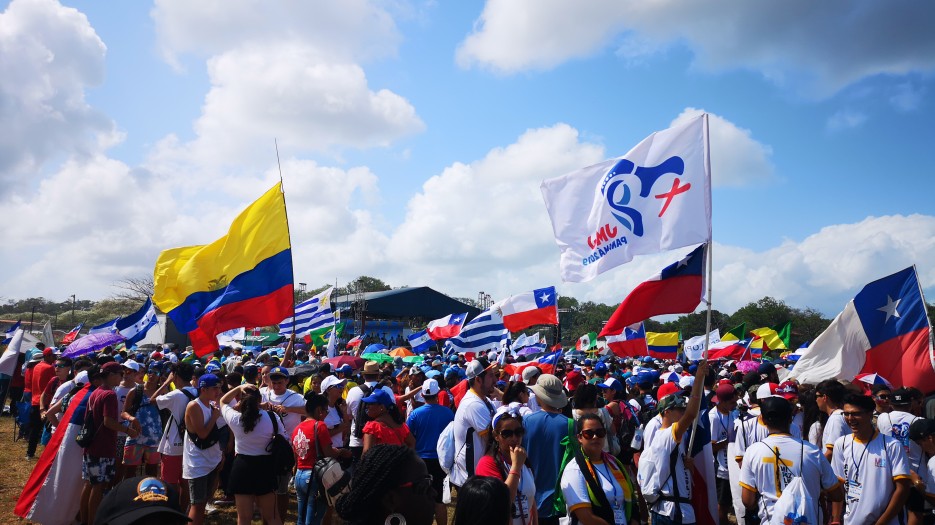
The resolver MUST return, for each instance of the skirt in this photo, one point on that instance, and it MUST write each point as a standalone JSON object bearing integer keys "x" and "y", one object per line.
{"x": 252, "y": 475}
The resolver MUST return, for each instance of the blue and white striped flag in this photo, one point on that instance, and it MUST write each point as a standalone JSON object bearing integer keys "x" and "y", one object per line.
{"x": 481, "y": 334}
{"x": 134, "y": 326}
{"x": 8, "y": 335}
{"x": 420, "y": 341}
{"x": 310, "y": 315}
{"x": 108, "y": 327}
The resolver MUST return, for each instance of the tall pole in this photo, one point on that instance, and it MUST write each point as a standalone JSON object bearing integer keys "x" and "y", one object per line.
{"x": 74, "y": 302}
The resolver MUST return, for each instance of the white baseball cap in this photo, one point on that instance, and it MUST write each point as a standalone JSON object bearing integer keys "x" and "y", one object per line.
{"x": 132, "y": 365}
{"x": 430, "y": 388}
{"x": 331, "y": 381}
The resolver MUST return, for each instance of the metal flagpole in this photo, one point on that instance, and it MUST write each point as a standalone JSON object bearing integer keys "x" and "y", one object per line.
{"x": 282, "y": 191}
{"x": 710, "y": 272}
{"x": 924, "y": 305}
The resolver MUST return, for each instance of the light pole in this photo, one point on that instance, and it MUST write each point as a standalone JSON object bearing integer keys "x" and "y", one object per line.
{"x": 74, "y": 302}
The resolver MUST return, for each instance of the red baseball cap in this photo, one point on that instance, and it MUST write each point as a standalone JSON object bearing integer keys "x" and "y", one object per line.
{"x": 667, "y": 389}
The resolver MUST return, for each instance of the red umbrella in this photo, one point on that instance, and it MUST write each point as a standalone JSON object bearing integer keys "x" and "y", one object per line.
{"x": 341, "y": 360}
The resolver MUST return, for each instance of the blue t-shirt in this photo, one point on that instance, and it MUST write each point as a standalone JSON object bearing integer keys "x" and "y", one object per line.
{"x": 426, "y": 424}
{"x": 544, "y": 434}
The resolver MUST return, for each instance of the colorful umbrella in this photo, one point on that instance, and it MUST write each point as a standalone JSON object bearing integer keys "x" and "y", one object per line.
{"x": 379, "y": 358}
{"x": 529, "y": 350}
{"x": 341, "y": 360}
{"x": 417, "y": 359}
{"x": 401, "y": 352}
{"x": 91, "y": 343}
{"x": 374, "y": 348}
{"x": 873, "y": 379}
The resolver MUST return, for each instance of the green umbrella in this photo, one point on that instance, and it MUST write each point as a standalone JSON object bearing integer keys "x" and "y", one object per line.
{"x": 413, "y": 359}
{"x": 380, "y": 358}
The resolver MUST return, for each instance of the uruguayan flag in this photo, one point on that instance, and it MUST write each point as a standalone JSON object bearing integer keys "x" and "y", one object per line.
{"x": 134, "y": 326}
{"x": 420, "y": 341}
{"x": 310, "y": 315}
{"x": 107, "y": 327}
{"x": 481, "y": 334}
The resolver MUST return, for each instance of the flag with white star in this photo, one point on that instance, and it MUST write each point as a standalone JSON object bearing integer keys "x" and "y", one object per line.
{"x": 538, "y": 307}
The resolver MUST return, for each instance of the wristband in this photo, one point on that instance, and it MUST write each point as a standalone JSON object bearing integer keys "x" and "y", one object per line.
{"x": 513, "y": 473}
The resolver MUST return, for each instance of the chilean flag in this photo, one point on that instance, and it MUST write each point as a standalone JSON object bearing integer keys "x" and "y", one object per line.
{"x": 885, "y": 330}
{"x": 729, "y": 349}
{"x": 629, "y": 343}
{"x": 676, "y": 290}
{"x": 446, "y": 327}
{"x": 355, "y": 341}
{"x": 72, "y": 335}
{"x": 529, "y": 309}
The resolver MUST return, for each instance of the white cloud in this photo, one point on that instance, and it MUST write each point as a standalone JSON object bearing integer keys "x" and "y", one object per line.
{"x": 845, "y": 119}
{"x": 907, "y": 97}
{"x": 350, "y": 29}
{"x": 49, "y": 55}
{"x": 736, "y": 158}
{"x": 813, "y": 49}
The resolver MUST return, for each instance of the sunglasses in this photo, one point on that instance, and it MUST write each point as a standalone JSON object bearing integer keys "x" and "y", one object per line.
{"x": 855, "y": 414}
{"x": 61, "y": 366}
{"x": 883, "y": 397}
{"x": 591, "y": 434}
{"x": 507, "y": 434}
{"x": 421, "y": 486}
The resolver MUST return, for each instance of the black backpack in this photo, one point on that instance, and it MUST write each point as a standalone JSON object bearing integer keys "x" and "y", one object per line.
{"x": 137, "y": 400}
{"x": 360, "y": 418}
{"x": 280, "y": 450}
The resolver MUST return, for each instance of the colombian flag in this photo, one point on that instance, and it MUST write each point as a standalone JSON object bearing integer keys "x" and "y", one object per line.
{"x": 663, "y": 345}
{"x": 242, "y": 279}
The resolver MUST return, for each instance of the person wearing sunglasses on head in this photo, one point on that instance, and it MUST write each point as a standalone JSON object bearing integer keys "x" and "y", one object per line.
{"x": 596, "y": 486}
{"x": 665, "y": 470}
{"x": 505, "y": 460}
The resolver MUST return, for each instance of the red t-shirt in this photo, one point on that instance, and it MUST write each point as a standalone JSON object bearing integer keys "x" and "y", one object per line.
{"x": 41, "y": 375}
{"x": 487, "y": 467}
{"x": 386, "y": 435}
{"x": 103, "y": 403}
{"x": 27, "y": 379}
{"x": 305, "y": 453}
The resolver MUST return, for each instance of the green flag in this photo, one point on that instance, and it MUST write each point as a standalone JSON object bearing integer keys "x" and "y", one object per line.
{"x": 784, "y": 332}
{"x": 319, "y": 337}
{"x": 587, "y": 341}
{"x": 736, "y": 334}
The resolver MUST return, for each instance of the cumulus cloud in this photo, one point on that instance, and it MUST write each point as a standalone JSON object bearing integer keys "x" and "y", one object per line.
{"x": 737, "y": 159}
{"x": 813, "y": 49}
{"x": 845, "y": 119}
{"x": 42, "y": 85}
{"x": 352, "y": 29}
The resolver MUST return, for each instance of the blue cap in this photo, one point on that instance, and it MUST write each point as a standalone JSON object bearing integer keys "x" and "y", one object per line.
{"x": 279, "y": 371}
{"x": 379, "y": 396}
{"x": 647, "y": 359}
{"x": 208, "y": 380}
{"x": 433, "y": 374}
{"x": 345, "y": 369}
{"x": 453, "y": 359}
{"x": 587, "y": 362}
{"x": 600, "y": 367}
{"x": 212, "y": 368}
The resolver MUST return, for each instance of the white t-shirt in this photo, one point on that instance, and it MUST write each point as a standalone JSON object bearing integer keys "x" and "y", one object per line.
{"x": 471, "y": 413}
{"x": 575, "y": 486}
{"x": 417, "y": 398}
{"x": 288, "y": 399}
{"x": 814, "y": 434}
{"x": 170, "y": 443}
{"x": 752, "y": 430}
{"x": 650, "y": 429}
{"x": 656, "y": 475}
{"x": 722, "y": 427}
{"x": 198, "y": 462}
{"x": 930, "y": 477}
{"x": 761, "y": 469}
{"x": 122, "y": 392}
{"x": 62, "y": 391}
{"x": 835, "y": 428}
{"x": 869, "y": 473}
{"x": 532, "y": 403}
{"x": 251, "y": 443}
{"x": 353, "y": 401}
{"x": 895, "y": 424}
{"x": 332, "y": 420}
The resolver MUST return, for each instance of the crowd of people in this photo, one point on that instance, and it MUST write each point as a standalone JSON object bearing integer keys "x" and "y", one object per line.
{"x": 601, "y": 440}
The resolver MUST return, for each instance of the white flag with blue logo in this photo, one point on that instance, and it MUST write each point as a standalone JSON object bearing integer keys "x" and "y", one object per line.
{"x": 134, "y": 326}
{"x": 421, "y": 341}
{"x": 481, "y": 334}
{"x": 657, "y": 197}
{"x": 312, "y": 314}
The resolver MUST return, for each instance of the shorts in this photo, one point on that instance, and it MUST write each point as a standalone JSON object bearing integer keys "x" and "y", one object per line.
{"x": 438, "y": 477}
{"x": 98, "y": 471}
{"x": 199, "y": 489}
{"x": 282, "y": 484}
{"x": 916, "y": 501}
{"x": 252, "y": 475}
{"x": 171, "y": 469}
{"x": 133, "y": 455}
{"x": 121, "y": 443}
{"x": 722, "y": 488}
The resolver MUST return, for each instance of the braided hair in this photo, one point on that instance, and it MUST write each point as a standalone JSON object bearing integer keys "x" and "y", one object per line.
{"x": 376, "y": 474}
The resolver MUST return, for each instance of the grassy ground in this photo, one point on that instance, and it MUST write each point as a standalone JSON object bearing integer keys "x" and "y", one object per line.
{"x": 15, "y": 470}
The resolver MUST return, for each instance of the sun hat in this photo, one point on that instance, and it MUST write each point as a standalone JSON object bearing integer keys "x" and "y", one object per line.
{"x": 371, "y": 368}
{"x": 331, "y": 381}
{"x": 379, "y": 397}
{"x": 549, "y": 391}
{"x": 136, "y": 498}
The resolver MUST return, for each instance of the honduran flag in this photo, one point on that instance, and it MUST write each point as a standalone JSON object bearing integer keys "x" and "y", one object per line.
{"x": 72, "y": 335}
{"x": 885, "y": 330}
{"x": 529, "y": 309}
{"x": 8, "y": 335}
{"x": 677, "y": 289}
{"x": 630, "y": 343}
{"x": 663, "y": 345}
{"x": 242, "y": 279}
{"x": 446, "y": 327}
{"x": 104, "y": 328}
{"x": 52, "y": 493}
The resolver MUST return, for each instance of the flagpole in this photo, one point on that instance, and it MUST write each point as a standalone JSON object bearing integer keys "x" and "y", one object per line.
{"x": 282, "y": 191}
{"x": 921, "y": 294}
{"x": 710, "y": 262}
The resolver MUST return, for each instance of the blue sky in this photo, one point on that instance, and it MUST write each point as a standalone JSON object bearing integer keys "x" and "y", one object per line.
{"x": 414, "y": 136}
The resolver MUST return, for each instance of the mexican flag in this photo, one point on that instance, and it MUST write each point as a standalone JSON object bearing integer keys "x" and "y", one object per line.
{"x": 587, "y": 342}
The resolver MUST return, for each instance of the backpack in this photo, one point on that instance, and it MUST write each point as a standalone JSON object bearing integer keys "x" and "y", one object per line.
{"x": 280, "y": 450}
{"x": 360, "y": 418}
{"x": 794, "y": 505}
{"x": 570, "y": 448}
{"x": 87, "y": 431}
{"x": 179, "y": 425}
{"x": 446, "y": 448}
{"x": 137, "y": 400}
{"x": 333, "y": 480}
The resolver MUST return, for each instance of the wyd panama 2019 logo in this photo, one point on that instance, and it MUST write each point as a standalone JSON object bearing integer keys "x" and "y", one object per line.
{"x": 625, "y": 205}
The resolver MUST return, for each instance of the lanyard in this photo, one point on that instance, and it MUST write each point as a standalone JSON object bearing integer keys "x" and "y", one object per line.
{"x": 862, "y": 456}
{"x": 720, "y": 421}
{"x": 519, "y": 491}
{"x": 610, "y": 479}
